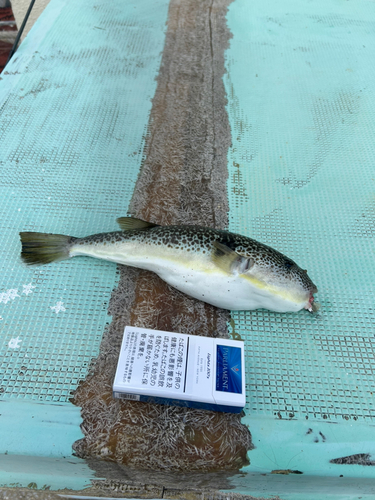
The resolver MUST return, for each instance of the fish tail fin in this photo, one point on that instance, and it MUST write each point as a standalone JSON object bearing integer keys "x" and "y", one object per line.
{"x": 42, "y": 248}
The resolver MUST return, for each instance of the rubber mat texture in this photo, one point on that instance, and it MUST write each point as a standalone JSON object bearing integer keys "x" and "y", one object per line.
{"x": 75, "y": 102}
{"x": 301, "y": 179}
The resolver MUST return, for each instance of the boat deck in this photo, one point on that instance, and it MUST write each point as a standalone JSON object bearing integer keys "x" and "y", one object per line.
{"x": 250, "y": 116}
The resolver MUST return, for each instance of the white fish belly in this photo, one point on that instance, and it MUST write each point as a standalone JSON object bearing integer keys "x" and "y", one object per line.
{"x": 228, "y": 292}
{"x": 194, "y": 275}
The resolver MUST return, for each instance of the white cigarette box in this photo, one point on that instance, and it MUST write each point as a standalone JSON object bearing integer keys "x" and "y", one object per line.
{"x": 183, "y": 370}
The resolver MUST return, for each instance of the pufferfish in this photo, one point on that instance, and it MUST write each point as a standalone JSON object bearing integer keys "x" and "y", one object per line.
{"x": 221, "y": 268}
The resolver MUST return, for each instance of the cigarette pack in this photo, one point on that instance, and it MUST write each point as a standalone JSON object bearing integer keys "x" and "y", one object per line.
{"x": 183, "y": 370}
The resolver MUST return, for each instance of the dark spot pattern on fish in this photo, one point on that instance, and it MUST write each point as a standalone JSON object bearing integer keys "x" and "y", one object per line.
{"x": 200, "y": 240}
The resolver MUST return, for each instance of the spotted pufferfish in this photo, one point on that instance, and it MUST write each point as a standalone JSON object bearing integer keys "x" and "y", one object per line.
{"x": 221, "y": 268}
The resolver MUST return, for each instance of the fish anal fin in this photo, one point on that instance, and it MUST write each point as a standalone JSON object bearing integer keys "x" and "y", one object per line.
{"x": 230, "y": 261}
{"x": 129, "y": 223}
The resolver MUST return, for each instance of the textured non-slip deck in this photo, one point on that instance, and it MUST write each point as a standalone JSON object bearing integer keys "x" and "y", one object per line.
{"x": 74, "y": 108}
{"x": 74, "y": 111}
{"x": 302, "y": 179}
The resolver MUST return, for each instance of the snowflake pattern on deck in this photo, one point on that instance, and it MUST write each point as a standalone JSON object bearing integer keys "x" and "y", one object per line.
{"x": 10, "y": 294}
{"x": 14, "y": 343}
{"x": 27, "y": 289}
{"x": 58, "y": 307}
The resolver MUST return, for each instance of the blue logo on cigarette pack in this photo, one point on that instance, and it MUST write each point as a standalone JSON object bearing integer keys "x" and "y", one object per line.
{"x": 228, "y": 369}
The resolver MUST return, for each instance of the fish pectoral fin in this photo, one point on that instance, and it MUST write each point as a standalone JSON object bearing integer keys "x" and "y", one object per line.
{"x": 129, "y": 223}
{"x": 230, "y": 261}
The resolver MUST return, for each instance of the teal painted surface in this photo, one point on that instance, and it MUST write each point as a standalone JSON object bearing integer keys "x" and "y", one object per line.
{"x": 308, "y": 446}
{"x": 300, "y": 85}
{"x": 44, "y": 473}
{"x": 38, "y": 429}
{"x": 75, "y": 103}
{"x": 36, "y": 445}
{"x": 74, "y": 107}
{"x": 300, "y": 487}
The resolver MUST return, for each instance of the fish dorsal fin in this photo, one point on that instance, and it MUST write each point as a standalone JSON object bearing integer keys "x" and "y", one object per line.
{"x": 230, "y": 261}
{"x": 129, "y": 223}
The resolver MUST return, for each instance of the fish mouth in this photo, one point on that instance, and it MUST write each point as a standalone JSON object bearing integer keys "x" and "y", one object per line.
{"x": 311, "y": 305}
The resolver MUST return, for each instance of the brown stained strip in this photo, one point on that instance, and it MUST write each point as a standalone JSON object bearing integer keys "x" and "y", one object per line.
{"x": 182, "y": 181}
{"x": 183, "y": 177}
